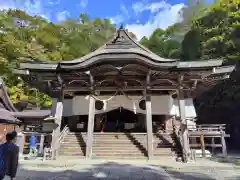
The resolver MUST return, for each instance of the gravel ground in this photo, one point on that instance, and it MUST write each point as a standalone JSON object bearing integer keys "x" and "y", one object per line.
{"x": 163, "y": 169}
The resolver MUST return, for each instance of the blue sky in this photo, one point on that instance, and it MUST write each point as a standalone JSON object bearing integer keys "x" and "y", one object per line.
{"x": 141, "y": 17}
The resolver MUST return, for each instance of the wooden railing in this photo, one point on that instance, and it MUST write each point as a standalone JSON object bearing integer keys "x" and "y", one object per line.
{"x": 207, "y": 127}
{"x": 208, "y": 131}
{"x": 63, "y": 133}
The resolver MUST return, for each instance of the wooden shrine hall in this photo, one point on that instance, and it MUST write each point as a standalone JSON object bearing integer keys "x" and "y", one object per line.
{"x": 123, "y": 76}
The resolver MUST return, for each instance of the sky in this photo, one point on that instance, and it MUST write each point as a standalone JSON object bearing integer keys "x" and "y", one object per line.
{"x": 141, "y": 17}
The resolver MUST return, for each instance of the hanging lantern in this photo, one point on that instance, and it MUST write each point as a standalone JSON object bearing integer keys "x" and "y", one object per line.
{"x": 142, "y": 105}
{"x": 99, "y": 105}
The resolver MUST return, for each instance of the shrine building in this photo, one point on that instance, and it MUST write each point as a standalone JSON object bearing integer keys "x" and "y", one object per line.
{"x": 122, "y": 100}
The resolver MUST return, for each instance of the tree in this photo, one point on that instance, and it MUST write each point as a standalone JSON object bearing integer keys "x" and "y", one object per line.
{"x": 162, "y": 44}
{"x": 219, "y": 30}
{"x": 32, "y": 38}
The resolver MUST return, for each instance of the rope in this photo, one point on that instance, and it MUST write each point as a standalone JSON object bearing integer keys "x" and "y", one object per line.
{"x": 105, "y": 100}
{"x": 109, "y": 99}
{"x": 130, "y": 98}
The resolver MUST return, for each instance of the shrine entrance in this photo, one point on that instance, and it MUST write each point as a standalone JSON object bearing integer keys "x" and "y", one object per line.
{"x": 120, "y": 120}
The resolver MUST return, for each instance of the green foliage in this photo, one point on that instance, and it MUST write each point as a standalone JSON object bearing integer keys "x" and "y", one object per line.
{"x": 206, "y": 32}
{"x": 162, "y": 44}
{"x": 24, "y": 38}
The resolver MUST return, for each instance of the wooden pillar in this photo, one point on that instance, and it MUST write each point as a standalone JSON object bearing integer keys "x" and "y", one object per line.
{"x": 149, "y": 127}
{"x": 41, "y": 144}
{"x": 21, "y": 142}
{"x": 202, "y": 146}
{"x": 213, "y": 145}
{"x": 224, "y": 148}
{"x": 183, "y": 127}
{"x": 91, "y": 116}
{"x": 58, "y": 121}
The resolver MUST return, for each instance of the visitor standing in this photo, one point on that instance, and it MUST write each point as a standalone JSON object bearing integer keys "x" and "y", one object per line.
{"x": 103, "y": 121}
{"x": 9, "y": 154}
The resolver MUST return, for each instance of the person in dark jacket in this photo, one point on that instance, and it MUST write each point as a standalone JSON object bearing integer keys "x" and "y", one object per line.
{"x": 10, "y": 154}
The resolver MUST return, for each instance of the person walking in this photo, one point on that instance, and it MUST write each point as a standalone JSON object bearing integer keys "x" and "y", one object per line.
{"x": 33, "y": 146}
{"x": 9, "y": 156}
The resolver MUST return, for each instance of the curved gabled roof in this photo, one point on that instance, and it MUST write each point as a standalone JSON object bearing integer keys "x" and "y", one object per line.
{"x": 122, "y": 49}
{"x": 121, "y": 43}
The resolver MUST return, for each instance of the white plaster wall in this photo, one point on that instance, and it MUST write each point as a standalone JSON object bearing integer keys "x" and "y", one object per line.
{"x": 160, "y": 104}
{"x": 189, "y": 108}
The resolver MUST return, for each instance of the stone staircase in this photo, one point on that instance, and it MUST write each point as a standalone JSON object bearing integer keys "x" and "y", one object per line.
{"x": 73, "y": 144}
{"x": 116, "y": 146}
{"x": 164, "y": 143}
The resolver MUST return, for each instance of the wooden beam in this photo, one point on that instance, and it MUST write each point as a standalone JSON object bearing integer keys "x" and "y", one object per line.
{"x": 206, "y": 145}
{"x": 114, "y": 88}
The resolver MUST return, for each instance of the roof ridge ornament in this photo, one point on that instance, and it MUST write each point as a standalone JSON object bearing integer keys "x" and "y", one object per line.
{"x": 121, "y": 27}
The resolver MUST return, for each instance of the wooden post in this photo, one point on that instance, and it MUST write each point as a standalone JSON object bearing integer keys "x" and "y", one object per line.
{"x": 184, "y": 131}
{"x": 58, "y": 120}
{"x": 224, "y": 148}
{"x": 21, "y": 143}
{"x": 41, "y": 144}
{"x": 91, "y": 116}
{"x": 213, "y": 145}
{"x": 149, "y": 127}
{"x": 202, "y": 146}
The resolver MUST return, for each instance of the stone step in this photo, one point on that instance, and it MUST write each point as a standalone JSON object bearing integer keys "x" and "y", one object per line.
{"x": 120, "y": 157}
{"x": 73, "y": 147}
{"x": 74, "y": 137}
{"x": 110, "y": 154}
{"x": 71, "y": 153}
{"x": 124, "y": 145}
{"x": 114, "y": 149}
{"x": 72, "y": 142}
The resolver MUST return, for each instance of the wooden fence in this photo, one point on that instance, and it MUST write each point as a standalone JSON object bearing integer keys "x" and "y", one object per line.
{"x": 208, "y": 131}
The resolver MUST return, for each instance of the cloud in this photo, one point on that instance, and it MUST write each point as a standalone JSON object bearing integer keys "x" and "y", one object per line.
{"x": 62, "y": 16}
{"x": 54, "y": 2}
{"x": 122, "y": 16}
{"x": 84, "y": 3}
{"x": 162, "y": 15}
{"x": 153, "y": 7}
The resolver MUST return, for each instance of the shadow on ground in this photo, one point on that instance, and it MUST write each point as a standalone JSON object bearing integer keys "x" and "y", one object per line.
{"x": 226, "y": 160}
{"x": 106, "y": 171}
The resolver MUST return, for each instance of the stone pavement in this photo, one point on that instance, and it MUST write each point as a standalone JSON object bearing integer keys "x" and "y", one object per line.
{"x": 106, "y": 171}
{"x": 164, "y": 169}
